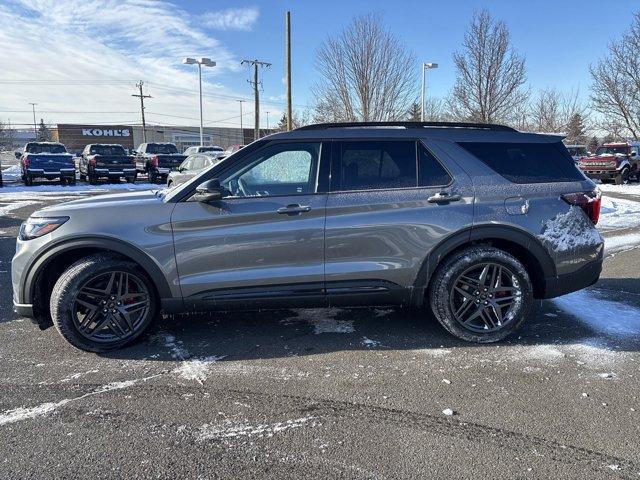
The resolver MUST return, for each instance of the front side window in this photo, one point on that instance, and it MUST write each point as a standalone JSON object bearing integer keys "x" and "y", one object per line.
{"x": 286, "y": 169}
{"x": 375, "y": 165}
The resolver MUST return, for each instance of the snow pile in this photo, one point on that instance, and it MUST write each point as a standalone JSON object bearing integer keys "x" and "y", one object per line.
{"x": 216, "y": 432}
{"x": 616, "y": 214}
{"x": 568, "y": 231}
{"x": 322, "y": 319}
{"x": 624, "y": 189}
{"x": 367, "y": 342}
{"x": 11, "y": 173}
{"x": 602, "y": 315}
{"x": 197, "y": 369}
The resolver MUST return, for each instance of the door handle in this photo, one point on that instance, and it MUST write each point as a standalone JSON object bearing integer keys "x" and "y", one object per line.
{"x": 443, "y": 197}
{"x": 294, "y": 208}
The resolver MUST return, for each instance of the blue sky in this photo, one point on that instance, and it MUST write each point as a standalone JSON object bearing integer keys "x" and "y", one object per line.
{"x": 78, "y": 59}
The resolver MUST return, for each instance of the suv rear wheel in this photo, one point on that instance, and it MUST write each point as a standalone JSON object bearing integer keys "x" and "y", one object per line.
{"x": 481, "y": 294}
{"x": 101, "y": 303}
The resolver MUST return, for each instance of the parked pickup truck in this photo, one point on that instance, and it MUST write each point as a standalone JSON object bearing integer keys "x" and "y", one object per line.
{"x": 157, "y": 160}
{"x": 101, "y": 160}
{"x": 613, "y": 162}
{"x": 46, "y": 160}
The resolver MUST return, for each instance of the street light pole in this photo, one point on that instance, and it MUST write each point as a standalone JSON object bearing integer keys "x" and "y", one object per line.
{"x": 425, "y": 67}
{"x": 207, "y": 62}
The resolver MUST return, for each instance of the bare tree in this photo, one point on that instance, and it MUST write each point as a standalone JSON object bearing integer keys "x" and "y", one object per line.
{"x": 615, "y": 91}
{"x": 553, "y": 111}
{"x": 366, "y": 74}
{"x": 490, "y": 74}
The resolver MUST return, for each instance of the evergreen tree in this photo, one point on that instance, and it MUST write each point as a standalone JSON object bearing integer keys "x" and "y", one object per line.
{"x": 413, "y": 114}
{"x": 44, "y": 134}
{"x": 593, "y": 144}
{"x": 576, "y": 130}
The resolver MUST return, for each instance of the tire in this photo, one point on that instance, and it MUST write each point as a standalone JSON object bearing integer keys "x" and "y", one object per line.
{"x": 447, "y": 301}
{"x": 623, "y": 177}
{"x": 68, "y": 303}
{"x": 83, "y": 177}
{"x": 93, "y": 179}
{"x": 71, "y": 180}
{"x": 132, "y": 179}
{"x": 169, "y": 183}
{"x": 153, "y": 176}
{"x": 28, "y": 180}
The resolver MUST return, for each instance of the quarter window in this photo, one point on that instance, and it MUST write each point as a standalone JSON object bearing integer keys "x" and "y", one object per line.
{"x": 430, "y": 172}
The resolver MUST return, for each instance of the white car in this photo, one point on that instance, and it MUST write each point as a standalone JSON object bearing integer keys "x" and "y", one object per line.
{"x": 209, "y": 149}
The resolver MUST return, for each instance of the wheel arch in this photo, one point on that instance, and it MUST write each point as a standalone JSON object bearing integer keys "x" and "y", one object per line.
{"x": 519, "y": 243}
{"x": 47, "y": 266}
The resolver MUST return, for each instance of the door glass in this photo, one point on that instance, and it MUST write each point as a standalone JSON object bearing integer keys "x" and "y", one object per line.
{"x": 197, "y": 163}
{"x": 430, "y": 172}
{"x": 287, "y": 169}
{"x": 375, "y": 165}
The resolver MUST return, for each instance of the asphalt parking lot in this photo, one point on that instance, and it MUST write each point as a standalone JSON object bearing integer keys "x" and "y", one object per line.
{"x": 331, "y": 393}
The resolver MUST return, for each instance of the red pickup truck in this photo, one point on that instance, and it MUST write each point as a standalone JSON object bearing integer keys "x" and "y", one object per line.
{"x": 613, "y": 162}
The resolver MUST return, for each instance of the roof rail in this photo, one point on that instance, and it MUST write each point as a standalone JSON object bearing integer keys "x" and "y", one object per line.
{"x": 478, "y": 126}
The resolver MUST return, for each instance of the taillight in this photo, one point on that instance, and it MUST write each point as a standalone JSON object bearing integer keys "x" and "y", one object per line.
{"x": 25, "y": 161}
{"x": 589, "y": 202}
{"x": 154, "y": 161}
{"x": 93, "y": 162}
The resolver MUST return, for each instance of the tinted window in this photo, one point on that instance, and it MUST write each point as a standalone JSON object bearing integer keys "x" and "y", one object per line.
{"x": 430, "y": 172}
{"x": 211, "y": 149}
{"x": 371, "y": 165}
{"x": 45, "y": 148}
{"x": 287, "y": 169}
{"x": 165, "y": 148}
{"x": 107, "y": 150}
{"x": 527, "y": 162}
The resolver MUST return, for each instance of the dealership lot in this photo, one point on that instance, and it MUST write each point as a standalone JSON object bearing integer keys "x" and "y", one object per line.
{"x": 333, "y": 392}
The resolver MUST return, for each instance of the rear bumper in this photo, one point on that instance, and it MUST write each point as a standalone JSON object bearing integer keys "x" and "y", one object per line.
{"x": 571, "y": 282}
{"x": 41, "y": 172}
{"x": 116, "y": 172}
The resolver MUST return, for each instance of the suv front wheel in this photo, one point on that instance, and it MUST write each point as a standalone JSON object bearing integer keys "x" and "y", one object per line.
{"x": 102, "y": 303}
{"x": 481, "y": 294}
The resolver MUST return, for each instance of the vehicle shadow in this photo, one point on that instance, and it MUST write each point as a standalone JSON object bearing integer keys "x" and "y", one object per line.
{"x": 286, "y": 333}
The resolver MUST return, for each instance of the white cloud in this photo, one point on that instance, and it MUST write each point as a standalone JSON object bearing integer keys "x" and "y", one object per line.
{"x": 232, "y": 19}
{"x": 86, "y": 56}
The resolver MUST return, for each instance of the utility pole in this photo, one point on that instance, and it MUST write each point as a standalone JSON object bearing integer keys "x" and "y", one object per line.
{"x": 267, "y": 122}
{"x": 35, "y": 125}
{"x": 256, "y": 93}
{"x": 288, "y": 75}
{"x": 141, "y": 96}
{"x": 241, "y": 127}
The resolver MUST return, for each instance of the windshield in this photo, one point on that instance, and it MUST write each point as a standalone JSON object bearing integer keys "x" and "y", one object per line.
{"x": 211, "y": 149}
{"x": 622, "y": 150}
{"x": 45, "y": 148}
{"x": 576, "y": 151}
{"x": 166, "y": 148}
{"x": 108, "y": 150}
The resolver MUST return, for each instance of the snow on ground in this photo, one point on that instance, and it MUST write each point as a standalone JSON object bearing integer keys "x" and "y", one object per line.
{"x": 190, "y": 368}
{"x": 621, "y": 243}
{"x": 617, "y": 214}
{"x": 603, "y": 316}
{"x": 230, "y": 430}
{"x": 630, "y": 189}
{"x": 12, "y": 173}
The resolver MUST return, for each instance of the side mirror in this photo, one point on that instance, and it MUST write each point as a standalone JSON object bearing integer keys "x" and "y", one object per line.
{"x": 209, "y": 191}
{"x": 18, "y": 155}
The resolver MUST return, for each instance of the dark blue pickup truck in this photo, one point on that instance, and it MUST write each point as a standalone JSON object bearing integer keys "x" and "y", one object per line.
{"x": 110, "y": 161}
{"x": 46, "y": 160}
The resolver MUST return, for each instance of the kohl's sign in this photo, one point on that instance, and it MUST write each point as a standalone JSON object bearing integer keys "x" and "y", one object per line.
{"x": 102, "y": 132}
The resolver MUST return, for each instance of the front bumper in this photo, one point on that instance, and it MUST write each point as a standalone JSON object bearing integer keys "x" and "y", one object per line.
{"x": 600, "y": 174}
{"x": 574, "y": 281}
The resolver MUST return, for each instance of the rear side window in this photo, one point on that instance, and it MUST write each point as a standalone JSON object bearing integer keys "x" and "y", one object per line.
{"x": 527, "y": 162}
{"x": 375, "y": 165}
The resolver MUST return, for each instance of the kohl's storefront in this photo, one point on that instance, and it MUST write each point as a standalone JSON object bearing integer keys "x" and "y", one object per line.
{"x": 76, "y": 137}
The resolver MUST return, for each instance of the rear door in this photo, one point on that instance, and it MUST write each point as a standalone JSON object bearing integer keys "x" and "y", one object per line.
{"x": 387, "y": 209}
{"x": 262, "y": 242}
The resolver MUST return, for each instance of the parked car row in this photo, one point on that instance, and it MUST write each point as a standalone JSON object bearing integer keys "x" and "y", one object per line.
{"x": 616, "y": 163}
{"x": 161, "y": 162}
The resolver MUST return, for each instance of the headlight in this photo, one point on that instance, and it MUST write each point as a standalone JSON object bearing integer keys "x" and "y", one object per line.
{"x": 37, "y": 227}
{"x": 613, "y": 164}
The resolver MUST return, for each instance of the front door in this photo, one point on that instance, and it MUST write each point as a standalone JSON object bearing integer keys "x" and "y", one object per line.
{"x": 264, "y": 240}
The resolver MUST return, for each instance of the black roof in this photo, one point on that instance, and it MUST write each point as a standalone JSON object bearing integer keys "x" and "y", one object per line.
{"x": 402, "y": 124}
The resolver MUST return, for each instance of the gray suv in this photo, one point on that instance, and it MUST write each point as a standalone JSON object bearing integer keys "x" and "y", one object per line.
{"x": 472, "y": 221}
